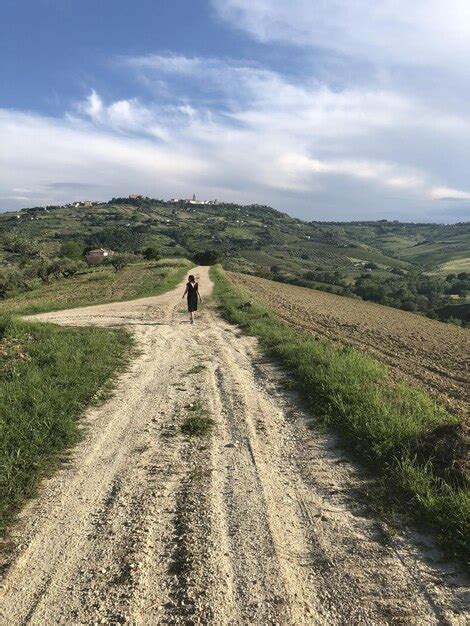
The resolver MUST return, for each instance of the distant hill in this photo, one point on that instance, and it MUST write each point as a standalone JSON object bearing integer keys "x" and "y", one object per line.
{"x": 256, "y": 239}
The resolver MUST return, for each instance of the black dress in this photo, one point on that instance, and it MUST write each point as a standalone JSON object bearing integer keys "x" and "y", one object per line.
{"x": 192, "y": 296}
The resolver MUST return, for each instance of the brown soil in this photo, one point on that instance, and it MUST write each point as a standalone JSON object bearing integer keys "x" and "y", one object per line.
{"x": 259, "y": 523}
{"x": 428, "y": 354}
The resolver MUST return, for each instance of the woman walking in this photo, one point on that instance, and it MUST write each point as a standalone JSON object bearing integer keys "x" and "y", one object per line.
{"x": 192, "y": 289}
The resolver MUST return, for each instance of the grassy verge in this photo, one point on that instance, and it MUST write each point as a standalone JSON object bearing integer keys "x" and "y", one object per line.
{"x": 100, "y": 285}
{"x": 388, "y": 425}
{"x": 48, "y": 375}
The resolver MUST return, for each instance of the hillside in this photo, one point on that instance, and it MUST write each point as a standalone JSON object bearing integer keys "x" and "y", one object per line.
{"x": 398, "y": 264}
{"x": 182, "y": 228}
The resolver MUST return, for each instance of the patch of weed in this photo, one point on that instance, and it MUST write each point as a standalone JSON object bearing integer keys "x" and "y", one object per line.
{"x": 196, "y": 369}
{"x": 198, "y": 423}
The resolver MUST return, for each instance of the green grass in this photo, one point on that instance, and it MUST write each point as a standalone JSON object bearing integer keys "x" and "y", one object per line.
{"x": 100, "y": 285}
{"x": 436, "y": 253}
{"x": 385, "y": 423}
{"x": 455, "y": 267}
{"x": 198, "y": 423}
{"x": 48, "y": 375}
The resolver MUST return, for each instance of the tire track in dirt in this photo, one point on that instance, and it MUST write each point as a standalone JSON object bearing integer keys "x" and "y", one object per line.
{"x": 260, "y": 523}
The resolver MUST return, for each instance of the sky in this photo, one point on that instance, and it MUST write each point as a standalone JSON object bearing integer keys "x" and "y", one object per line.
{"x": 337, "y": 110}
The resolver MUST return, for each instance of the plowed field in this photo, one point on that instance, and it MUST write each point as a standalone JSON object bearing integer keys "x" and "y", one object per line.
{"x": 426, "y": 353}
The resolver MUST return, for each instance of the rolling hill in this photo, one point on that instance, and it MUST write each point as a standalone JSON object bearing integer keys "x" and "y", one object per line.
{"x": 405, "y": 264}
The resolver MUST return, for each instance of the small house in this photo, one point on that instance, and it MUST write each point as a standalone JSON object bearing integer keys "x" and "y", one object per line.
{"x": 98, "y": 256}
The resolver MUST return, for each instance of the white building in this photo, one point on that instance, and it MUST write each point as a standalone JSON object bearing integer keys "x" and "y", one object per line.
{"x": 194, "y": 200}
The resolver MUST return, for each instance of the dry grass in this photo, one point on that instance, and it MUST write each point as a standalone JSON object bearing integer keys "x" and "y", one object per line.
{"x": 100, "y": 285}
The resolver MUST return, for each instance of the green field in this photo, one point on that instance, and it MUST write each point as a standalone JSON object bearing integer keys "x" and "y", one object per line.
{"x": 455, "y": 266}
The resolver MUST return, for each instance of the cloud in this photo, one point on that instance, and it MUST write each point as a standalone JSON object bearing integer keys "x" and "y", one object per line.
{"x": 246, "y": 133}
{"x": 446, "y": 193}
{"x": 351, "y": 132}
{"x": 386, "y": 174}
{"x": 40, "y": 152}
{"x": 74, "y": 186}
{"x": 122, "y": 115}
{"x": 419, "y": 33}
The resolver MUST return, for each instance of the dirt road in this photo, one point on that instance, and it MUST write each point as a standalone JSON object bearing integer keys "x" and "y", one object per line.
{"x": 262, "y": 522}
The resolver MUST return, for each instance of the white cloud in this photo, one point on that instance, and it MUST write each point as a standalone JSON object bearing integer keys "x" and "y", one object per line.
{"x": 259, "y": 138}
{"x": 39, "y": 152}
{"x": 122, "y": 115}
{"x": 422, "y": 32}
{"x": 447, "y": 193}
{"x": 386, "y": 174}
{"x": 93, "y": 106}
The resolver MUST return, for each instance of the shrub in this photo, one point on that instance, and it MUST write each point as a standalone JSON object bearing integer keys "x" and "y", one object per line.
{"x": 121, "y": 260}
{"x": 207, "y": 257}
{"x": 71, "y": 250}
{"x": 70, "y": 267}
{"x": 10, "y": 280}
{"x": 151, "y": 254}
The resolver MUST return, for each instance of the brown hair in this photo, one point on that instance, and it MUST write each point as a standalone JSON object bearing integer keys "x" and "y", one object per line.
{"x": 191, "y": 278}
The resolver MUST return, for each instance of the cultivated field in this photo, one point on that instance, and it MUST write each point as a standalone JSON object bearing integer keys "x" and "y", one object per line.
{"x": 427, "y": 353}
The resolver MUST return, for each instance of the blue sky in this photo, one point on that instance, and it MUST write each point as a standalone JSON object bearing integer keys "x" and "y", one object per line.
{"x": 348, "y": 109}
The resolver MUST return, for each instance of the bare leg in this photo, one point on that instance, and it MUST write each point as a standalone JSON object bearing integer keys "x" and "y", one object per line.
{"x": 191, "y": 317}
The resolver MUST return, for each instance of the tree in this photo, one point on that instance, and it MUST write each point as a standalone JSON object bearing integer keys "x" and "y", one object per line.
{"x": 122, "y": 238}
{"x": 10, "y": 279}
{"x": 26, "y": 248}
{"x": 71, "y": 250}
{"x": 208, "y": 257}
{"x": 40, "y": 267}
{"x": 121, "y": 260}
{"x": 69, "y": 267}
{"x": 151, "y": 254}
